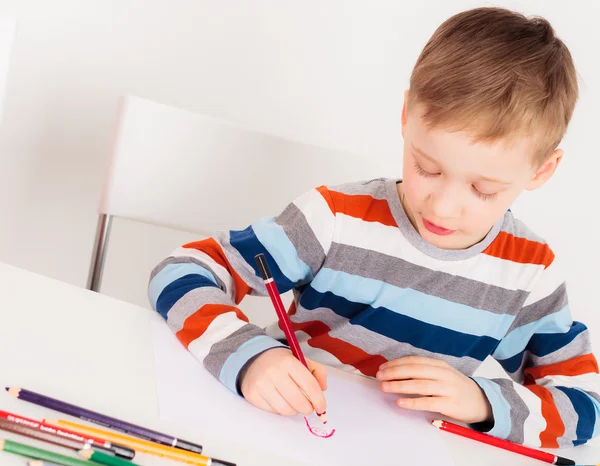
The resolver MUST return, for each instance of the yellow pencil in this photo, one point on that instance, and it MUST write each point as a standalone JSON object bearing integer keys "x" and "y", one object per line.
{"x": 143, "y": 446}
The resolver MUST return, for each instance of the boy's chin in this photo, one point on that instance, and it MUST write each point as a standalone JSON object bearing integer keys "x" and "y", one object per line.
{"x": 456, "y": 240}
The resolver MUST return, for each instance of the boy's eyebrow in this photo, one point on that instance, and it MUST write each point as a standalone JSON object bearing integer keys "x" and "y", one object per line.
{"x": 494, "y": 180}
{"x": 423, "y": 154}
{"x": 482, "y": 178}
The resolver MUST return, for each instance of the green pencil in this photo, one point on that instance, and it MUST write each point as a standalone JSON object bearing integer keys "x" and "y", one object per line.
{"x": 103, "y": 458}
{"x": 30, "y": 452}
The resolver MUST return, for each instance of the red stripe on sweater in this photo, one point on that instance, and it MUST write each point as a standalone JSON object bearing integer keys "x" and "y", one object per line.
{"x": 349, "y": 354}
{"x": 584, "y": 364}
{"x": 211, "y": 248}
{"x": 555, "y": 427}
{"x": 513, "y": 248}
{"x": 196, "y": 324}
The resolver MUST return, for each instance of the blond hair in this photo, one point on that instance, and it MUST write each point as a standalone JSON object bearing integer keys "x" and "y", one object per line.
{"x": 498, "y": 74}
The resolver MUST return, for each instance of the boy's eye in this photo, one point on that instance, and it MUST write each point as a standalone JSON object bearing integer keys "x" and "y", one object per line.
{"x": 422, "y": 172}
{"x": 484, "y": 196}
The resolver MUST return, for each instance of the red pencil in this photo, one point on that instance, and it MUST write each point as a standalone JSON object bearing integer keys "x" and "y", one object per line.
{"x": 117, "y": 450}
{"x": 500, "y": 443}
{"x": 284, "y": 319}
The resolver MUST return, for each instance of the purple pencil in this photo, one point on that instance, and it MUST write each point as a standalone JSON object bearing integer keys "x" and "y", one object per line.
{"x": 97, "y": 418}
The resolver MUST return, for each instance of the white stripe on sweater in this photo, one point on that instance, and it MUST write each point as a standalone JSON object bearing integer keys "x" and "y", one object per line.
{"x": 221, "y": 327}
{"x": 586, "y": 382}
{"x": 318, "y": 215}
{"x": 535, "y": 423}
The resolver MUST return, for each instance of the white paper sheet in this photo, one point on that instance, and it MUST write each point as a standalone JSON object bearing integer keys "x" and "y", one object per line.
{"x": 370, "y": 428}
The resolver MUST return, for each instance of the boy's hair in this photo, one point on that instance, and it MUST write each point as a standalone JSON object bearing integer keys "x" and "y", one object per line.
{"x": 498, "y": 74}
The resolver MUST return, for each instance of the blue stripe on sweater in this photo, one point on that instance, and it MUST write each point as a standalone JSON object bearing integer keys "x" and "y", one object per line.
{"x": 172, "y": 272}
{"x": 500, "y": 408}
{"x": 420, "y": 306}
{"x": 543, "y": 345}
{"x": 588, "y": 412}
{"x": 276, "y": 242}
{"x": 248, "y": 245}
{"x": 402, "y": 328}
{"x": 515, "y": 342}
{"x": 177, "y": 289}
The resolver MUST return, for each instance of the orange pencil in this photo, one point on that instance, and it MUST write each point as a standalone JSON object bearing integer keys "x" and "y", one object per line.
{"x": 143, "y": 446}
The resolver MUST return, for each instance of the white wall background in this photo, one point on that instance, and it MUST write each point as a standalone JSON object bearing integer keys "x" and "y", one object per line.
{"x": 330, "y": 73}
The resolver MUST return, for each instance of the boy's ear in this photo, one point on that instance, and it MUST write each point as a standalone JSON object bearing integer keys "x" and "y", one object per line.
{"x": 404, "y": 116}
{"x": 545, "y": 172}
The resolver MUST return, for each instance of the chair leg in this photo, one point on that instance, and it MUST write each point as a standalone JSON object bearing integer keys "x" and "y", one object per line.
{"x": 99, "y": 252}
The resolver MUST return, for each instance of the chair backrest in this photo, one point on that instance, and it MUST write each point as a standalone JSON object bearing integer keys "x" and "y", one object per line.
{"x": 188, "y": 171}
{"x": 175, "y": 168}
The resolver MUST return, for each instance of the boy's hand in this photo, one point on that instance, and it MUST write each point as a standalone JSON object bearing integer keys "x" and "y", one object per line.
{"x": 275, "y": 382}
{"x": 445, "y": 390}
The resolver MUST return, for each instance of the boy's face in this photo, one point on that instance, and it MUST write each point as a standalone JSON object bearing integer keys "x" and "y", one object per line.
{"x": 454, "y": 190}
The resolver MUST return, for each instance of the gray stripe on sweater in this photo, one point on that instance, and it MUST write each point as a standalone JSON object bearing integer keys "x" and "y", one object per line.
{"x": 518, "y": 410}
{"x": 220, "y": 351}
{"x": 551, "y": 304}
{"x": 296, "y": 227}
{"x": 403, "y": 274}
{"x": 568, "y": 416}
{"x": 373, "y": 188}
{"x": 517, "y": 228}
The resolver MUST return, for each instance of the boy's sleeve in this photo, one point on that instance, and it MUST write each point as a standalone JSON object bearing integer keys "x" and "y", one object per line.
{"x": 198, "y": 287}
{"x": 553, "y": 399}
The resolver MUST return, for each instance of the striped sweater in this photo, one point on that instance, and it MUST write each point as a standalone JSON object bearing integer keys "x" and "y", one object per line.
{"x": 368, "y": 288}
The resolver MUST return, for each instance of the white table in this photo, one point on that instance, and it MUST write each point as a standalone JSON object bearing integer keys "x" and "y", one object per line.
{"x": 96, "y": 352}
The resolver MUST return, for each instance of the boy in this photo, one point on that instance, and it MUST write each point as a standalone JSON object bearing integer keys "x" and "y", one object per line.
{"x": 416, "y": 281}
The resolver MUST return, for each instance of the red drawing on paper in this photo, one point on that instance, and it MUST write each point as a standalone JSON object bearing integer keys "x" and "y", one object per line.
{"x": 318, "y": 431}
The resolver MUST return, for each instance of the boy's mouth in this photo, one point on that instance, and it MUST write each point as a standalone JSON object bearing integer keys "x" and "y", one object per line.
{"x": 436, "y": 229}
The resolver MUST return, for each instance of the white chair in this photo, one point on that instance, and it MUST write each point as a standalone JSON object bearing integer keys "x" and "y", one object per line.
{"x": 175, "y": 168}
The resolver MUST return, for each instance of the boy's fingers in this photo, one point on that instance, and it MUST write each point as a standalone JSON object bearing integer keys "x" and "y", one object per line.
{"x": 434, "y": 404}
{"x": 265, "y": 405}
{"x": 291, "y": 393}
{"x": 414, "y": 360}
{"x": 258, "y": 401}
{"x": 276, "y": 400}
{"x": 415, "y": 387}
{"x": 308, "y": 383}
{"x": 413, "y": 371}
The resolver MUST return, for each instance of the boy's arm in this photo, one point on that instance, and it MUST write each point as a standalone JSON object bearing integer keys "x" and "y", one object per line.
{"x": 554, "y": 397}
{"x": 198, "y": 287}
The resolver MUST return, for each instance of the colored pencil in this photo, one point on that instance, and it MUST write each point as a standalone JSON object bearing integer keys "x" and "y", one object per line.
{"x": 96, "y": 443}
{"x": 143, "y": 446}
{"x": 31, "y": 452}
{"x": 26, "y": 431}
{"x": 500, "y": 443}
{"x": 103, "y": 458}
{"x": 41, "y": 463}
{"x": 101, "y": 419}
{"x": 284, "y": 319}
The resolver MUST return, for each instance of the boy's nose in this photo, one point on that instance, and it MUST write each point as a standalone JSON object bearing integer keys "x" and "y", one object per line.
{"x": 445, "y": 204}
